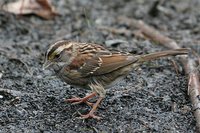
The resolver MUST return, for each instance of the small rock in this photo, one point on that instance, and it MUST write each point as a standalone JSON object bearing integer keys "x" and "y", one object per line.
{"x": 1, "y": 74}
{"x": 114, "y": 43}
{"x": 185, "y": 109}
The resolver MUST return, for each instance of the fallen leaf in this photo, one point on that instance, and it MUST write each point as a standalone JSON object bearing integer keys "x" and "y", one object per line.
{"x": 42, "y": 8}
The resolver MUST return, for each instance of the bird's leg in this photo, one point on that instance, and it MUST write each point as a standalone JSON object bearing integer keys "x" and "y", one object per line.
{"x": 91, "y": 113}
{"x": 99, "y": 89}
{"x": 77, "y": 100}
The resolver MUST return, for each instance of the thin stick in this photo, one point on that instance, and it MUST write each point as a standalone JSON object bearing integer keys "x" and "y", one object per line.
{"x": 194, "y": 89}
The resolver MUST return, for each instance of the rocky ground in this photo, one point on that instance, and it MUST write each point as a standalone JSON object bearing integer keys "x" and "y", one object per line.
{"x": 151, "y": 99}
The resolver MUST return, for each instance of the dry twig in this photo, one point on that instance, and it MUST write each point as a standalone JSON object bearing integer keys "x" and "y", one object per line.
{"x": 194, "y": 89}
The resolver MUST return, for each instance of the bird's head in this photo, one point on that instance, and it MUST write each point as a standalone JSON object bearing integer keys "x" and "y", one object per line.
{"x": 60, "y": 53}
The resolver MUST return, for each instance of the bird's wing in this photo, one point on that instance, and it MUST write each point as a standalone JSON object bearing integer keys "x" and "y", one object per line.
{"x": 104, "y": 63}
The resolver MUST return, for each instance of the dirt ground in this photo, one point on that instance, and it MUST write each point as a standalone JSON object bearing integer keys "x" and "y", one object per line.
{"x": 151, "y": 99}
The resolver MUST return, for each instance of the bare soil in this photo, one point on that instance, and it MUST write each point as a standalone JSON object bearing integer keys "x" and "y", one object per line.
{"x": 152, "y": 98}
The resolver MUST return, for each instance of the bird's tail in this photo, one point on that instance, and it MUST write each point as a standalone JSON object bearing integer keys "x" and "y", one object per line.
{"x": 153, "y": 56}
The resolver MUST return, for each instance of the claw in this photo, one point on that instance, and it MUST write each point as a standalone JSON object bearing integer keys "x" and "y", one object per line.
{"x": 77, "y": 100}
{"x": 90, "y": 115}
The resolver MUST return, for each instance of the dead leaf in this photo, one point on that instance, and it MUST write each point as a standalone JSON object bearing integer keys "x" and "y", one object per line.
{"x": 42, "y": 8}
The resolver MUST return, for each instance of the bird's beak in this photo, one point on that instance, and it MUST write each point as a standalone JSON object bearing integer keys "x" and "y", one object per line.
{"x": 46, "y": 64}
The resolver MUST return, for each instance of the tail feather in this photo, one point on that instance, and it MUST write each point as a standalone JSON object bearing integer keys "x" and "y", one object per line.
{"x": 153, "y": 56}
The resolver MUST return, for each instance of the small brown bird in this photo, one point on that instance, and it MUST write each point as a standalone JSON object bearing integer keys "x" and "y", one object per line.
{"x": 92, "y": 66}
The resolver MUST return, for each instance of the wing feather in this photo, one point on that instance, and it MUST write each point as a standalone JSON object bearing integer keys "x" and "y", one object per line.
{"x": 102, "y": 64}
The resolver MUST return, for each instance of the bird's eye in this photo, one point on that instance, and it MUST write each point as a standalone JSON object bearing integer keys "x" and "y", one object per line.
{"x": 56, "y": 56}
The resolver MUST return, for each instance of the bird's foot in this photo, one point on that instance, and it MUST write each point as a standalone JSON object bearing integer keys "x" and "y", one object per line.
{"x": 90, "y": 115}
{"x": 77, "y": 100}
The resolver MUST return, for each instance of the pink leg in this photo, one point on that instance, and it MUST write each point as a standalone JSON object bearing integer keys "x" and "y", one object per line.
{"x": 77, "y": 100}
{"x": 91, "y": 113}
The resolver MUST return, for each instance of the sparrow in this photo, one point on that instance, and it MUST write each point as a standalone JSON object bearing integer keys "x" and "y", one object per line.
{"x": 92, "y": 66}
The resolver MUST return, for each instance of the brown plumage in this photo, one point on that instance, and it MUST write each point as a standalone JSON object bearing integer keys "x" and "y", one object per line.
{"x": 92, "y": 66}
